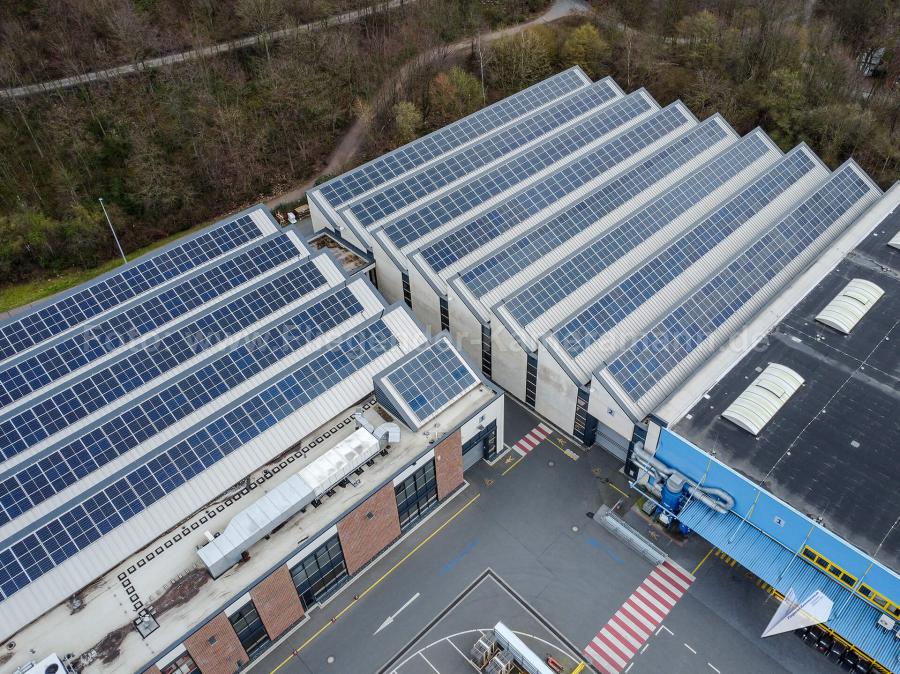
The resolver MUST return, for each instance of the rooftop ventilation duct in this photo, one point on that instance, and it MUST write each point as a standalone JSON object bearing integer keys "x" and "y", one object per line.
{"x": 716, "y": 499}
{"x": 275, "y": 508}
{"x": 755, "y": 407}
{"x": 386, "y": 433}
{"x": 851, "y": 304}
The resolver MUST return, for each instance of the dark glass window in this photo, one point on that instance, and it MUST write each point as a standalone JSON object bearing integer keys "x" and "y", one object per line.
{"x": 250, "y": 630}
{"x": 320, "y": 573}
{"x": 416, "y": 495}
{"x": 183, "y": 664}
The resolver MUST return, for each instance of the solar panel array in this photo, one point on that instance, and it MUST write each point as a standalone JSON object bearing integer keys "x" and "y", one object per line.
{"x": 471, "y": 194}
{"x": 72, "y": 353}
{"x": 561, "y": 281}
{"x": 52, "y": 319}
{"x": 480, "y": 231}
{"x": 677, "y": 335}
{"x": 431, "y": 379}
{"x": 535, "y": 244}
{"x": 101, "y": 387}
{"x": 346, "y": 187}
{"x": 620, "y": 301}
{"x": 37, "y": 479}
{"x": 467, "y": 161}
{"x": 98, "y": 513}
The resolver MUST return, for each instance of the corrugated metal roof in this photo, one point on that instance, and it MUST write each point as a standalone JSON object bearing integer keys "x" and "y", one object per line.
{"x": 853, "y": 617}
{"x": 850, "y": 305}
{"x": 760, "y": 401}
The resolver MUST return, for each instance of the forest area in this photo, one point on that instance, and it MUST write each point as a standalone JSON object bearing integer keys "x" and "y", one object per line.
{"x": 172, "y": 148}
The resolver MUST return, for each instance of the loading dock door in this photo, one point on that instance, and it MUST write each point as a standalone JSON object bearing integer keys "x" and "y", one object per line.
{"x": 482, "y": 446}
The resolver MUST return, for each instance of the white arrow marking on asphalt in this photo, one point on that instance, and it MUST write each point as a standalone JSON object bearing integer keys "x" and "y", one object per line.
{"x": 390, "y": 619}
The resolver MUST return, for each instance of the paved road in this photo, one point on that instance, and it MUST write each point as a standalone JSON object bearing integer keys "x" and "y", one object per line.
{"x": 526, "y": 520}
{"x": 195, "y": 54}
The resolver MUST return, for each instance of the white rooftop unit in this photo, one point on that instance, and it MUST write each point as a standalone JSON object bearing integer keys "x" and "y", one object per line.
{"x": 851, "y": 304}
{"x": 755, "y": 407}
{"x": 259, "y": 519}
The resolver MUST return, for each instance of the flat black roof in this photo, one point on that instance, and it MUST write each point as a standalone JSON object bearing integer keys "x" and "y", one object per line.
{"x": 833, "y": 450}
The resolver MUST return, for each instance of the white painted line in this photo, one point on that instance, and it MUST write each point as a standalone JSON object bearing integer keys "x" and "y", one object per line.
{"x": 713, "y": 668}
{"x": 646, "y": 646}
{"x": 690, "y": 649}
{"x": 630, "y": 665}
{"x": 428, "y": 662}
{"x": 390, "y": 618}
{"x": 663, "y": 627}
{"x": 462, "y": 655}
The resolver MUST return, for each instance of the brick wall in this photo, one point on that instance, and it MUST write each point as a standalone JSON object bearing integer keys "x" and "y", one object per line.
{"x": 448, "y": 464}
{"x": 277, "y": 602}
{"x": 363, "y": 536}
{"x": 223, "y": 654}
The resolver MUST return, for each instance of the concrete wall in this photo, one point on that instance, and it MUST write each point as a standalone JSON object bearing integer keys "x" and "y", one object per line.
{"x": 608, "y": 412}
{"x": 277, "y": 602}
{"x": 448, "y": 465}
{"x": 370, "y": 528}
{"x": 215, "y": 647}
{"x": 319, "y": 222}
{"x": 465, "y": 327}
{"x": 557, "y": 394}
{"x": 792, "y": 529}
{"x": 493, "y": 412}
{"x": 509, "y": 360}
{"x": 425, "y": 301}
{"x": 390, "y": 280}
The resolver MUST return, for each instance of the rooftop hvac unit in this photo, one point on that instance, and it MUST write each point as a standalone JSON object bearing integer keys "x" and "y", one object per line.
{"x": 501, "y": 664}
{"x": 886, "y": 622}
{"x": 483, "y": 651}
{"x": 49, "y": 665}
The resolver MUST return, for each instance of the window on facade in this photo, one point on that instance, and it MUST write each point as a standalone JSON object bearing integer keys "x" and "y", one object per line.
{"x": 249, "y": 629}
{"x": 320, "y": 573}
{"x": 183, "y": 664}
{"x": 416, "y": 495}
{"x": 829, "y": 567}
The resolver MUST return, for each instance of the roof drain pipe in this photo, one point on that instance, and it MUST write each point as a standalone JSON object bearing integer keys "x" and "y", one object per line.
{"x": 715, "y": 499}
{"x": 387, "y": 434}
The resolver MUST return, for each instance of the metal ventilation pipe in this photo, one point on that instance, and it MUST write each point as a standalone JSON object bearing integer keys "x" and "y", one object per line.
{"x": 362, "y": 422}
{"x": 386, "y": 434}
{"x": 716, "y": 499}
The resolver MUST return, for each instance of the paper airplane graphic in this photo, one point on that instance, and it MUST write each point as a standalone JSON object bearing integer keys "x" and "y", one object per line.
{"x": 792, "y": 615}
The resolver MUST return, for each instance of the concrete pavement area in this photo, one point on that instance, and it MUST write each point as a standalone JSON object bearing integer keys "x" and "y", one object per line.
{"x": 527, "y": 519}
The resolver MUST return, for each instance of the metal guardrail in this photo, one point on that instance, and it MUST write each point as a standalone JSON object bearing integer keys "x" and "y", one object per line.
{"x": 629, "y": 535}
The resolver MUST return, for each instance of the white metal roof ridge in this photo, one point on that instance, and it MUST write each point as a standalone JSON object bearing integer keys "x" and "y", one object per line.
{"x": 586, "y": 82}
{"x": 367, "y": 298}
{"x": 606, "y": 82}
{"x": 159, "y": 441}
{"x": 473, "y": 213}
{"x": 763, "y": 398}
{"x": 711, "y": 263}
{"x": 850, "y": 305}
{"x": 686, "y": 367}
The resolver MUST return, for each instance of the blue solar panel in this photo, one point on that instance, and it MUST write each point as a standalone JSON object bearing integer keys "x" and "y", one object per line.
{"x": 53, "y": 319}
{"x": 465, "y": 197}
{"x": 677, "y": 335}
{"x": 467, "y": 161}
{"x": 620, "y": 301}
{"x": 75, "y": 352}
{"x": 432, "y": 378}
{"x": 97, "y": 389}
{"x": 346, "y": 187}
{"x": 53, "y": 542}
{"x": 536, "y": 243}
{"x": 560, "y": 282}
{"x": 40, "y": 477}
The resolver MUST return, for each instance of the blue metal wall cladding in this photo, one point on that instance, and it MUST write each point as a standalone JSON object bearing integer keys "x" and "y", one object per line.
{"x": 852, "y": 617}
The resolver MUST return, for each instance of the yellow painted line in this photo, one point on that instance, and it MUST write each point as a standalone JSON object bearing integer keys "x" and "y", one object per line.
{"x": 375, "y": 584}
{"x": 568, "y": 452}
{"x": 579, "y": 668}
{"x": 697, "y": 568}
{"x": 618, "y": 490}
{"x": 514, "y": 464}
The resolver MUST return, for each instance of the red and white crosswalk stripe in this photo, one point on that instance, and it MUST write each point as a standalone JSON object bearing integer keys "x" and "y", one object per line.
{"x": 640, "y": 616}
{"x": 531, "y": 440}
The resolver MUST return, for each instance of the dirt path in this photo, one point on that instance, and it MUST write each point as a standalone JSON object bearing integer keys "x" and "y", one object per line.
{"x": 352, "y": 140}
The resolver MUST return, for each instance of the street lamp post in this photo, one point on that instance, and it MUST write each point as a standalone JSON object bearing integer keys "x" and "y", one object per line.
{"x": 112, "y": 229}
